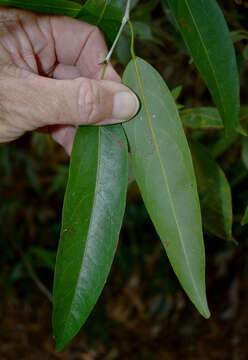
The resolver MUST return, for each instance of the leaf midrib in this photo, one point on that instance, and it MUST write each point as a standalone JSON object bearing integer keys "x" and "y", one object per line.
{"x": 149, "y": 119}
{"x": 208, "y": 58}
{"x": 102, "y": 13}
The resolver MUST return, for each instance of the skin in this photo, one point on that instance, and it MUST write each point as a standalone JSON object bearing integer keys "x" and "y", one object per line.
{"x": 50, "y": 68}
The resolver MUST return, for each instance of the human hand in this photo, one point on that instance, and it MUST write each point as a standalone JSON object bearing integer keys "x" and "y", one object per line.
{"x": 49, "y": 77}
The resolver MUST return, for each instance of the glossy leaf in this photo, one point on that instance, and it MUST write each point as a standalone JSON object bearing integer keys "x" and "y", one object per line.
{"x": 205, "y": 32}
{"x": 107, "y": 14}
{"x": 201, "y": 118}
{"x": 214, "y": 191}
{"x": 92, "y": 217}
{"x": 163, "y": 170}
{"x": 245, "y": 217}
{"x": 59, "y": 7}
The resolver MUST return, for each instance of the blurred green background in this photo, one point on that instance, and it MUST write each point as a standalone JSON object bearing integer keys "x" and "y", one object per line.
{"x": 143, "y": 312}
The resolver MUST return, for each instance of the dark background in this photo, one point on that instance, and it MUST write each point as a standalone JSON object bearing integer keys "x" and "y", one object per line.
{"x": 143, "y": 312}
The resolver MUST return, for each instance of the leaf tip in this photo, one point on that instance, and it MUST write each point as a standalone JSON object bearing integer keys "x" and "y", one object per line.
{"x": 206, "y": 313}
{"x": 59, "y": 344}
{"x": 203, "y": 308}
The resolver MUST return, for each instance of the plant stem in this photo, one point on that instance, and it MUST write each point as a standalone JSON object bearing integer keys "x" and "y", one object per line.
{"x": 125, "y": 19}
{"x": 132, "y": 39}
{"x": 104, "y": 68}
{"x": 37, "y": 281}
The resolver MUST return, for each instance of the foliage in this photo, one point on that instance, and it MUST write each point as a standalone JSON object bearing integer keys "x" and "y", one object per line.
{"x": 164, "y": 173}
{"x": 96, "y": 193}
{"x": 207, "y": 40}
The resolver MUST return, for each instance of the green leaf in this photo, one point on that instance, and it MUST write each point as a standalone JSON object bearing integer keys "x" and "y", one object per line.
{"x": 205, "y": 32}
{"x": 245, "y": 217}
{"x": 58, "y": 7}
{"x": 104, "y": 10}
{"x": 164, "y": 172}
{"x": 107, "y": 14}
{"x": 47, "y": 257}
{"x": 206, "y": 118}
{"x": 223, "y": 144}
{"x": 244, "y": 151}
{"x": 201, "y": 118}
{"x": 239, "y": 35}
{"x": 123, "y": 50}
{"x": 244, "y": 113}
{"x": 145, "y": 10}
{"x": 245, "y": 52}
{"x": 214, "y": 191}
{"x": 92, "y": 217}
{"x": 143, "y": 31}
{"x": 176, "y": 92}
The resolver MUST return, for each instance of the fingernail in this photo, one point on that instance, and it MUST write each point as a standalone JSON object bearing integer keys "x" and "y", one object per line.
{"x": 125, "y": 105}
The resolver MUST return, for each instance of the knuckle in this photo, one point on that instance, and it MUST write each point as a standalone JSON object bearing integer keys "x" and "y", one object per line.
{"x": 88, "y": 101}
{"x": 95, "y": 30}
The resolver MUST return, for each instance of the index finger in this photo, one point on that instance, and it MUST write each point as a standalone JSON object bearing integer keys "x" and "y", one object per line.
{"x": 82, "y": 45}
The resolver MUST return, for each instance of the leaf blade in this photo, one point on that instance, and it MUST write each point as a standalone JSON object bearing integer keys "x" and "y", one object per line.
{"x": 153, "y": 135}
{"x": 202, "y": 118}
{"x": 58, "y": 7}
{"x": 205, "y": 32}
{"x": 244, "y": 220}
{"x": 90, "y": 228}
{"x": 107, "y": 14}
{"x": 214, "y": 192}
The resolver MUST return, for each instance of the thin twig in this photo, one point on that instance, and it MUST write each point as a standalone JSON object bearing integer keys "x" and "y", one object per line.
{"x": 125, "y": 19}
{"x": 37, "y": 281}
{"x": 31, "y": 271}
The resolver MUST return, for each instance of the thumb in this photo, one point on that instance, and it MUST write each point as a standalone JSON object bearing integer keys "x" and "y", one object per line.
{"x": 36, "y": 101}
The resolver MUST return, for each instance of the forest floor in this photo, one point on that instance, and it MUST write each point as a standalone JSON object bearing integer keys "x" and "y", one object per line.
{"x": 26, "y": 332}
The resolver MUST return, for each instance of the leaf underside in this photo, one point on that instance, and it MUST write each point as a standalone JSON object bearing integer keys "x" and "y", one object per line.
{"x": 163, "y": 169}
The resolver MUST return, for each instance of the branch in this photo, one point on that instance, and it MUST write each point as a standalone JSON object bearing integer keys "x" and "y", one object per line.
{"x": 125, "y": 20}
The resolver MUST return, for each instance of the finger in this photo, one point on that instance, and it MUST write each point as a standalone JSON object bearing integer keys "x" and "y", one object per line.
{"x": 65, "y": 136}
{"x": 62, "y": 40}
{"x": 66, "y": 72}
{"x": 80, "y": 44}
{"x": 36, "y": 101}
{"x": 76, "y": 43}
{"x": 55, "y": 40}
